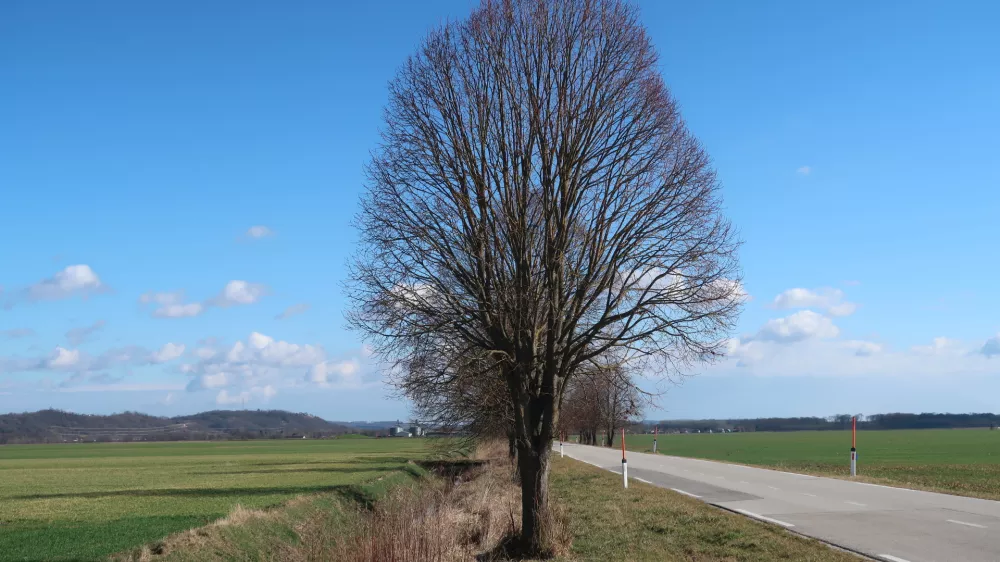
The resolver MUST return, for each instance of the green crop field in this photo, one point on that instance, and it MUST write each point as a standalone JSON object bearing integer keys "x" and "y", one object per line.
{"x": 958, "y": 461}
{"x": 86, "y": 501}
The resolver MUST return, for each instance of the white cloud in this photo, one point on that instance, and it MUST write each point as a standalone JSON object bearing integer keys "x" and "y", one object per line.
{"x": 239, "y": 292}
{"x": 168, "y": 352}
{"x": 205, "y": 353}
{"x": 293, "y": 310}
{"x": 77, "y": 336}
{"x": 259, "y": 232}
{"x": 803, "y": 170}
{"x": 63, "y": 358}
{"x": 991, "y": 347}
{"x": 264, "y": 392}
{"x": 828, "y": 299}
{"x": 171, "y": 305}
{"x": 179, "y": 310}
{"x": 224, "y": 398}
{"x": 818, "y": 357}
{"x": 168, "y": 399}
{"x": 74, "y": 279}
{"x": 939, "y": 346}
{"x": 330, "y": 373}
{"x": 802, "y": 325}
{"x": 842, "y": 309}
{"x": 261, "y": 361}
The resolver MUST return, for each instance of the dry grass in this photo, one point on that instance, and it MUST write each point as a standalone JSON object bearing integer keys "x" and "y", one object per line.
{"x": 468, "y": 511}
{"x": 439, "y": 522}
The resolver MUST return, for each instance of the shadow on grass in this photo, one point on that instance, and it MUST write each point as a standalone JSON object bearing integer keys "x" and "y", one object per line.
{"x": 187, "y": 492}
{"x": 338, "y": 470}
{"x": 37, "y": 541}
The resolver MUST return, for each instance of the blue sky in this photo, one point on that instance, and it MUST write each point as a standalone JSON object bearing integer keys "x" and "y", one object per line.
{"x": 143, "y": 142}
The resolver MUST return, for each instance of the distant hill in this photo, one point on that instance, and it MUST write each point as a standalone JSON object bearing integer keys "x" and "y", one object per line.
{"x": 58, "y": 426}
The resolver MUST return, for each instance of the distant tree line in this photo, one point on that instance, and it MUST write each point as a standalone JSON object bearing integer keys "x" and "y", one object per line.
{"x": 838, "y": 422}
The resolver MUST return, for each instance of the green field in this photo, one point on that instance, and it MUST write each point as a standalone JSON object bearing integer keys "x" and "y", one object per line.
{"x": 958, "y": 461}
{"x": 86, "y": 501}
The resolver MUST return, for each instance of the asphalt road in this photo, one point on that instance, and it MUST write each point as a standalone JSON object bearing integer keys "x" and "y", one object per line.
{"x": 893, "y": 524}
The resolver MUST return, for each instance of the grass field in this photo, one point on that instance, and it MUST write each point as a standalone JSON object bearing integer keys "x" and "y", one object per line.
{"x": 958, "y": 461}
{"x": 644, "y": 522}
{"x": 86, "y": 501}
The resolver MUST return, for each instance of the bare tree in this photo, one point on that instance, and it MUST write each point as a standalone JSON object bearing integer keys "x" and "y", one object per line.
{"x": 603, "y": 398}
{"x": 537, "y": 198}
{"x": 463, "y": 390}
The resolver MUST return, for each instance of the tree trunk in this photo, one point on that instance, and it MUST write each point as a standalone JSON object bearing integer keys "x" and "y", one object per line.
{"x": 609, "y": 438}
{"x": 533, "y": 462}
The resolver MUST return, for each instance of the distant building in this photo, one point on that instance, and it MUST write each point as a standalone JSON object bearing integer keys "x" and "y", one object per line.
{"x": 416, "y": 431}
{"x": 396, "y": 431}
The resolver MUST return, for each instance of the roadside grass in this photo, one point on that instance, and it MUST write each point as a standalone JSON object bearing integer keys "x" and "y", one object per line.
{"x": 87, "y": 501}
{"x": 957, "y": 461}
{"x": 645, "y": 522}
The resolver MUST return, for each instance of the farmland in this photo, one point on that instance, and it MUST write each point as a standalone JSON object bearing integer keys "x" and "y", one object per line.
{"x": 964, "y": 462}
{"x": 86, "y": 501}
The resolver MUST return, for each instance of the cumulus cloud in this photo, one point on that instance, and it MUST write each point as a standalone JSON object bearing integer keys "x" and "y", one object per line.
{"x": 327, "y": 373}
{"x": 77, "y": 336}
{"x": 829, "y": 299}
{"x": 803, "y": 170}
{"x": 261, "y": 361}
{"x": 239, "y": 292}
{"x": 259, "y": 231}
{"x": 73, "y": 280}
{"x": 168, "y": 352}
{"x": 16, "y": 333}
{"x": 293, "y": 310}
{"x": 991, "y": 347}
{"x": 171, "y": 304}
{"x": 63, "y": 358}
{"x": 802, "y": 325}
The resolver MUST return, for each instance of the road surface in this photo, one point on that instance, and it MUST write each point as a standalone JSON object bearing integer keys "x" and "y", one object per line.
{"x": 892, "y": 524}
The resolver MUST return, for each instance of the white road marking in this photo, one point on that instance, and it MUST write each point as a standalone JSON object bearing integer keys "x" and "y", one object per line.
{"x": 762, "y": 518}
{"x": 772, "y": 487}
{"x": 643, "y": 480}
{"x": 967, "y": 524}
{"x": 743, "y": 482}
{"x": 857, "y": 504}
{"x": 810, "y": 495}
{"x": 889, "y": 487}
{"x": 685, "y": 493}
{"x": 892, "y": 558}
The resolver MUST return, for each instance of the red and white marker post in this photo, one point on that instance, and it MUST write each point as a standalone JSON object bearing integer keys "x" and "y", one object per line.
{"x": 854, "y": 446}
{"x": 624, "y": 462}
{"x": 562, "y": 437}
{"x": 656, "y": 431}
